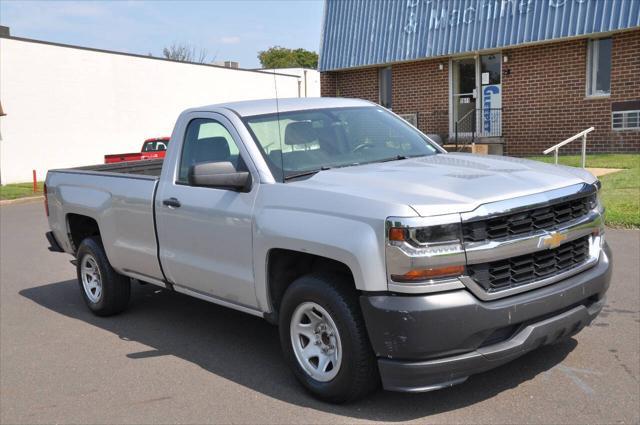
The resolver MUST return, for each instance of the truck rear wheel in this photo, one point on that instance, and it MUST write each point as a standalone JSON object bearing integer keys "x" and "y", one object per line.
{"x": 324, "y": 339}
{"x": 104, "y": 290}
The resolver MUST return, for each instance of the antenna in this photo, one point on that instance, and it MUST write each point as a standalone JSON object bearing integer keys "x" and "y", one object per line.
{"x": 275, "y": 85}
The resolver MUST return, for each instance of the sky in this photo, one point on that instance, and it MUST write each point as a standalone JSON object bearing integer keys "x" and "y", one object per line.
{"x": 226, "y": 29}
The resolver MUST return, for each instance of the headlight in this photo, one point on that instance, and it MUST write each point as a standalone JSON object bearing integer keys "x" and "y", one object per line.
{"x": 598, "y": 185}
{"x": 424, "y": 258}
{"x": 594, "y": 201}
{"x": 444, "y": 234}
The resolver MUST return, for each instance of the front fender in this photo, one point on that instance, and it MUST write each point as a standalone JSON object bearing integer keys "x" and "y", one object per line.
{"x": 356, "y": 243}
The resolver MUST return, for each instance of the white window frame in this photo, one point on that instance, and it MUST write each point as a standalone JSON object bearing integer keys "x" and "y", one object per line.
{"x": 592, "y": 69}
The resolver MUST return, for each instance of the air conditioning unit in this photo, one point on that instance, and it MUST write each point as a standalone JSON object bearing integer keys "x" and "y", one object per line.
{"x": 410, "y": 118}
{"x": 625, "y": 120}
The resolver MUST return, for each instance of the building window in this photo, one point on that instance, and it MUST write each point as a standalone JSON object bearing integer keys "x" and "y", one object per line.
{"x": 625, "y": 120}
{"x": 384, "y": 84}
{"x": 599, "y": 67}
{"x": 490, "y": 69}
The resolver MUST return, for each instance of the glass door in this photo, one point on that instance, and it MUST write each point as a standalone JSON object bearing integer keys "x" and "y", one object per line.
{"x": 464, "y": 96}
{"x": 490, "y": 119}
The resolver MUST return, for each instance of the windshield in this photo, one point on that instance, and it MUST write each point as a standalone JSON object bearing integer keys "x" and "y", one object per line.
{"x": 302, "y": 142}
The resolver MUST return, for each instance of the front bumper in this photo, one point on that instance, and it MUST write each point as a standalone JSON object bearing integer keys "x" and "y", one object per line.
{"x": 432, "y": 341}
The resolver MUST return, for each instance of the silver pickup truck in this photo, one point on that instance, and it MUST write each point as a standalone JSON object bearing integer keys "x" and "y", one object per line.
{"x": 381, "y": 257}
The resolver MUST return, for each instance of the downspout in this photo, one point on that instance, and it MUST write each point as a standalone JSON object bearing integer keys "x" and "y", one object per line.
{"x": 305, "y": 83}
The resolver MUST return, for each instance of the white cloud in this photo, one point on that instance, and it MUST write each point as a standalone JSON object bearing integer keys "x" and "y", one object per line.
{"x": 231, "y": 39}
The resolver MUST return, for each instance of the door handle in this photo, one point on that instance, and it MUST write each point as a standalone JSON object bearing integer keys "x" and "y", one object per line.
{"x": 171, "y": 203}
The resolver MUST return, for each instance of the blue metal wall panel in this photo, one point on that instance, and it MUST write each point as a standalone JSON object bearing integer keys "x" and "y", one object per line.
{"x": 369, "y": 32}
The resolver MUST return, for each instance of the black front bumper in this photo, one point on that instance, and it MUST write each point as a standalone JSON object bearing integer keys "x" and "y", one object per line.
{"x": 431, "y": 341}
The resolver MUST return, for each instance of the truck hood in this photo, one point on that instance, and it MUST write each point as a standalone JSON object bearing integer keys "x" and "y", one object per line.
{"x": 447, "y": 183}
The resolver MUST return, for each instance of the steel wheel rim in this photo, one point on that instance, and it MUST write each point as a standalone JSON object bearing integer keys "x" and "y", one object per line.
{"x": 316, "y": 341}
{"x": 91, "y": 278}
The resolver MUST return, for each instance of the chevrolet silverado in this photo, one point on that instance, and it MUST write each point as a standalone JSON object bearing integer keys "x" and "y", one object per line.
{"x": 383, "y": 259}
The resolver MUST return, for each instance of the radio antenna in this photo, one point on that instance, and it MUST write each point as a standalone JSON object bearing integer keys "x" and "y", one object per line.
{"x": 275, "y": 86}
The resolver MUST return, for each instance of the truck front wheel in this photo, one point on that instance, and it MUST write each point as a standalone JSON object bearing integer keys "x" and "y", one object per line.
{"x": 104, "y": 290}
{"x": 324, "y": 339}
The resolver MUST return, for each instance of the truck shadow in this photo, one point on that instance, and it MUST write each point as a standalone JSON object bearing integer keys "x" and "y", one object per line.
{"x": 246, "y": 350}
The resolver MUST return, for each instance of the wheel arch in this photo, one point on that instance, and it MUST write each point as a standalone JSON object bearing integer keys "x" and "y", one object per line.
{"x": 284, "y": 266}
{"x": 80, "y": 227}
{"x": 353, "y": 243}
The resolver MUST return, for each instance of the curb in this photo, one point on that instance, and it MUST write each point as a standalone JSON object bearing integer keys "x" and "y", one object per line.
{"x": 21, "y": 200}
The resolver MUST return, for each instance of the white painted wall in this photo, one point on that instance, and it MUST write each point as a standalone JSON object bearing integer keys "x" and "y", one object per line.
{"x": 68, "y": 107}
{"x": 309, "y": 78}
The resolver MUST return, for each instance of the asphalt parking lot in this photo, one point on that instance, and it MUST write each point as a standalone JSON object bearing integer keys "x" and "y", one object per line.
{"x": 174, "y": 359}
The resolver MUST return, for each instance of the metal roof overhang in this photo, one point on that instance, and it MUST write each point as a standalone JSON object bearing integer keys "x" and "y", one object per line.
{"x": 362, "y": 33}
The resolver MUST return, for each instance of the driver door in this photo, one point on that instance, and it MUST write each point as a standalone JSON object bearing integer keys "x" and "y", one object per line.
{"x": 205, "y": 234}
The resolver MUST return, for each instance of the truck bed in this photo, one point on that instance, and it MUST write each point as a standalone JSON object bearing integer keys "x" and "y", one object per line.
{"x": 119, "y": 197}
{"x": 148, "y": 167}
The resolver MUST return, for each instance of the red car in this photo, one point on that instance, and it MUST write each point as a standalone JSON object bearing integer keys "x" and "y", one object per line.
{"x": 154, "y": 148}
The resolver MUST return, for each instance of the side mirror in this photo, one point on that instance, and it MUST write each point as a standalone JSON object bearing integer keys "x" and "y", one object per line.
{"x": 219, "y": 174}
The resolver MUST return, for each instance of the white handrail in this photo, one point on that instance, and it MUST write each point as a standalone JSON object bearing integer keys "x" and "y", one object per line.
{"x": 582, "y": 134}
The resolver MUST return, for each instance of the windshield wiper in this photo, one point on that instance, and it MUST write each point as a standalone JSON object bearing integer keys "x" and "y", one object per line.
{"x": 393, "y": 158}
{"x": 312, "y": 172}
{"x": 305, "y": 173}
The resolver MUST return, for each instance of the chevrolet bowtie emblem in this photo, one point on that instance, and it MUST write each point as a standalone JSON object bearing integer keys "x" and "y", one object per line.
{"x": 552, "y": 240}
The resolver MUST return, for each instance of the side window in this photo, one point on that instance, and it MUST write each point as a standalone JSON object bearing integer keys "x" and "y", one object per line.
{"x": 384, "y": 87}
{"x": 207, "y": 140}
{"x": 599, "y": 67}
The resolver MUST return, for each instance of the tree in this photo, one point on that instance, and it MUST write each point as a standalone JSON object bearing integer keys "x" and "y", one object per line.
{"x": 281, "y": 57}
{"x": 184, "y": 52}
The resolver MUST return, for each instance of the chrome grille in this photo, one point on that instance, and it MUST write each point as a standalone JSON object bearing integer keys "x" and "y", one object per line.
{"x": 546, "y": 217}
{"x": 511, "y": 272}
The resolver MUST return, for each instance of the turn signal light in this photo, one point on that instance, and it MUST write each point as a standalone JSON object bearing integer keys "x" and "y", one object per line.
{"x": 397, "y": 234}
{"x": 420, "y": 275}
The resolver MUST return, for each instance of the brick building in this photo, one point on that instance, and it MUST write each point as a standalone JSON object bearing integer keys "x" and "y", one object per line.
{"x": 516, "y": 75}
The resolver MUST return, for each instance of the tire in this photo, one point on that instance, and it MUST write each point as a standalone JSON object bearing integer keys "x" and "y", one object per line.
{"x": 104, "y": 290}
{"x": 348, "y": 376}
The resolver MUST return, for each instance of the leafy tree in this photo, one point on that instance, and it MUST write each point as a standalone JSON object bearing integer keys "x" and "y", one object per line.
{"x": 185, "y": 52}
{"x": 281, "y": 57}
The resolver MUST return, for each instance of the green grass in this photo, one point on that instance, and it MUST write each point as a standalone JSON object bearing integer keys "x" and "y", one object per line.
{"x": 604, "y": 160}
{"x": 620, "y": 191}
{"x": 19, "y": 190}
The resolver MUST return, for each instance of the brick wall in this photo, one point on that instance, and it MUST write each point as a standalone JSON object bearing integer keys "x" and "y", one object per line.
{"x": 359, "y": 83}
{"x": 543, "y": 98}
{"x": 418, "y": 87}
{"x": 328, "y": 81}
{"x": 423, "y": 88}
